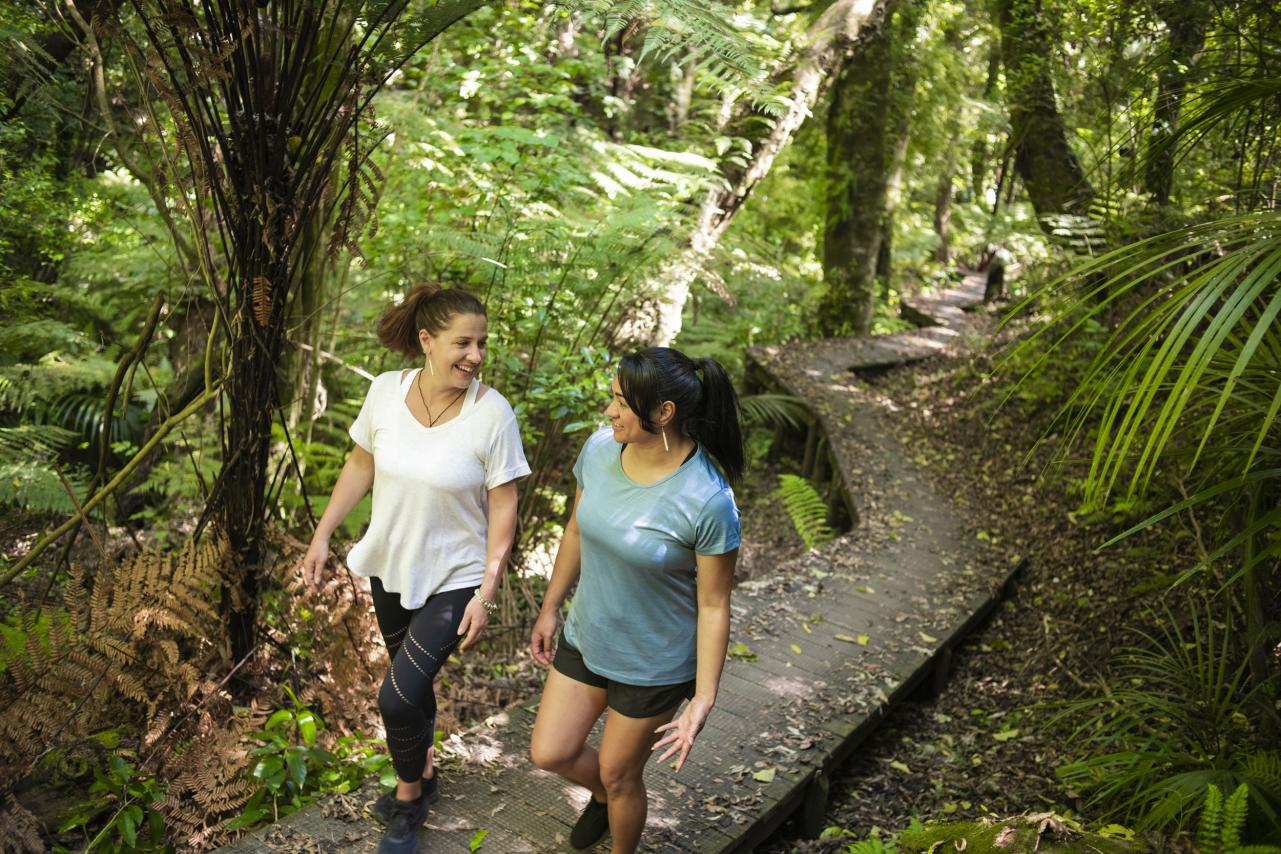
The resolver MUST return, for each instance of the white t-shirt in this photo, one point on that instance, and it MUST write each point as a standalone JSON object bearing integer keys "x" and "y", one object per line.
{"x": 427, "y": 531}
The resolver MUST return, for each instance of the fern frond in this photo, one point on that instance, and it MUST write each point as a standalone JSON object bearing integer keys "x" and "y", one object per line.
{"x": 805, "y": 508}
{"x": 1207, "y": 834}
{"x": 1235, "y": 812}
{"x": 774, "y": 410}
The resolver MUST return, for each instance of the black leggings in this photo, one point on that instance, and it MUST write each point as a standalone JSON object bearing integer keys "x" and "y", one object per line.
{"x": 418, "y": 643}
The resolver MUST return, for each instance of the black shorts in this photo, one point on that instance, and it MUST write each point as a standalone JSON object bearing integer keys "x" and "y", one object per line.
{"x": 634, "y": 701}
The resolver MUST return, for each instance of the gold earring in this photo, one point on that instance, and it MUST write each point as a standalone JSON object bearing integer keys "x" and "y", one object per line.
{"x": 431, "y": 366}
{"x": 663, "y": 430}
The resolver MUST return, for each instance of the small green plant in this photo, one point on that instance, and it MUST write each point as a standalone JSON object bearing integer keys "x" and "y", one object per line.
{"x": 1175, "y": 722}
{"x": 872, "y": 844}
{"x": 126, "y": 799}
{"x": 292, "y": 769}
{"x": 1223, "y": 823}
{"x": 805, "y": 508}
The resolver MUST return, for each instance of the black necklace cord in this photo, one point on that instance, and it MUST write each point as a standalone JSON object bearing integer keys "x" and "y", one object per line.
{"x": 431, "y": 422}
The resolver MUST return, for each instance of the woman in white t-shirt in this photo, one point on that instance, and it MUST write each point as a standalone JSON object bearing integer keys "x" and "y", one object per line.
{"x": 442, "y": 453}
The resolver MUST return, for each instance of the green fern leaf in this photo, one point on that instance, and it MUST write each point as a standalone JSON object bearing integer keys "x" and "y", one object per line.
{"x": 805, "y": 508}
{"x": 774, "y": 410}
{"x": 1207, "y": 834}
{"x": 1234, "y": 816}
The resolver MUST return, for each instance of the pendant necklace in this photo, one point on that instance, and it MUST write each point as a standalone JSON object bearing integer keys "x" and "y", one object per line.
{"x": 431, "y": 422}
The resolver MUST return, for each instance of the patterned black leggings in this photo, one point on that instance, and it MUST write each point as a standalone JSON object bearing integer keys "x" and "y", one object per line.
{"x": 418, "y": 643}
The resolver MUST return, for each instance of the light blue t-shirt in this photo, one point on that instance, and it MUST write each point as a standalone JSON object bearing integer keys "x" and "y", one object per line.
{"x": 634, "y": 615}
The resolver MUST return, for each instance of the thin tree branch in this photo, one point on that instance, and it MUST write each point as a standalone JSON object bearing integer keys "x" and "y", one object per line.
{"x": 108, "y": 489}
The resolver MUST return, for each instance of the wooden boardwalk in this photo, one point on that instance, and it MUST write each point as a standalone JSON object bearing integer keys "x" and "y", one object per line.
{"x": 831, "y": 642}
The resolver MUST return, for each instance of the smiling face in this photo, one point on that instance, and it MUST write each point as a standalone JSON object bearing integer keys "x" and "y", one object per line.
{"x": 458, "y": 350}
{"x": 626, "y": 424}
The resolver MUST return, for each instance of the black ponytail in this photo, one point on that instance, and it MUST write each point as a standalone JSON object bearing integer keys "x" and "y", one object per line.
{"x": 717, "y": 422}
{"x": 706, "y": 405}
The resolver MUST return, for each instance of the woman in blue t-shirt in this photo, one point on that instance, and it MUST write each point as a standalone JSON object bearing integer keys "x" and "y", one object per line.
{"x": 652, "y": 543}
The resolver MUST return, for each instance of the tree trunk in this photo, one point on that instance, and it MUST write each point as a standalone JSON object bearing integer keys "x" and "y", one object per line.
{"x": 856, "y": 186}
{"x": 829, "y": 39}
{"x": 1185, "y": 23}
{"x": 684, "y": 96}
{"x": 979, "y": 151}
{"x": 1055, "y": 181}
{"x": 943, "y": 211}
{"x": 904, "y": 70}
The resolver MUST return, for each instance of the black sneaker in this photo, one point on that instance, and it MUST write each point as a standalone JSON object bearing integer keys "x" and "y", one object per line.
{"x": 591, "y": 825}
{"x": 381, "y": 809}
{"x": 406, "y": 823}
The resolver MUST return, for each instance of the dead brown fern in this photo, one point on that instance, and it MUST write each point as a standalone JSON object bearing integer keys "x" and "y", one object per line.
{"x": 114, "y": 655}
{"x": 347, "y": 658}
{"x": 21, "y": 829}
{"x": 207, "y": 782}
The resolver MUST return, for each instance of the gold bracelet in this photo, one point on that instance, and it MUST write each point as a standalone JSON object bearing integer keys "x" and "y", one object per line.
{"x": 491, "y": 605}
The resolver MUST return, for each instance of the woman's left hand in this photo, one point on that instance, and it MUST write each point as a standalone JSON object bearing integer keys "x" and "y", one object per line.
{"x": 683, "y": 731}
{"x": 475, "y": 619}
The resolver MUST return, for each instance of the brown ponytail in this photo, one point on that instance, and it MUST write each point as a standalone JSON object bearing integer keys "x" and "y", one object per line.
{"x": 426, "y": 306}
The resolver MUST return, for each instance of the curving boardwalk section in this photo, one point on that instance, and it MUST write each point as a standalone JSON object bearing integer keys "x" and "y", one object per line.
{"x": 829, "y": 644}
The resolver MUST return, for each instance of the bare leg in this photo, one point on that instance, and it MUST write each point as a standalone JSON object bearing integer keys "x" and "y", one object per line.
{"x": 566, "y": 713}
{"x": 624, "y": 750}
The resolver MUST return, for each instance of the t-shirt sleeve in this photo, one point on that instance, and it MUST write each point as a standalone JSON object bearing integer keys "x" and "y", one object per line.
{"x": 362, "y": 429}
{"x": 505, "y": 459}
{"x": 580, "y": 464}
{"x": 718, "y": 530}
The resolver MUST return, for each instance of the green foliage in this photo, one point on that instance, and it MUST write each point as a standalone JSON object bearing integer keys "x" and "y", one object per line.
{"x": 774, "y": 410}
{"x": 292, "y": 770}
{"x": 806, "y": 509}
{"x": 697, "y": 30}
{"x": 1047, "y": 832}
{"x": 30, "y": 461}
{"x": 1222, "y": 824}
{"x": 1174, "y": 721}
{"x": 129, "y": 801}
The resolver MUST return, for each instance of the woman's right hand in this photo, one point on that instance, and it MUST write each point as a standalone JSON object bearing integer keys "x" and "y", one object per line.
{"x": 313, "y": 562}
{"x": 542, "y": 643}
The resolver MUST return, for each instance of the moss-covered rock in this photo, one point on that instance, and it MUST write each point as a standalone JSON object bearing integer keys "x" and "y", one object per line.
{"x": 1044, "y": 833}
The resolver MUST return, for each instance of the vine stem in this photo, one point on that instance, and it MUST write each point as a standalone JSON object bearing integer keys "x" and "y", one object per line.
{"x": 82, "y": 515}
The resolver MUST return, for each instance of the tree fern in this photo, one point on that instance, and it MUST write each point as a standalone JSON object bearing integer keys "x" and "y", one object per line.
{"x": 701, "y": 30}
{"x": 805, "y": 508}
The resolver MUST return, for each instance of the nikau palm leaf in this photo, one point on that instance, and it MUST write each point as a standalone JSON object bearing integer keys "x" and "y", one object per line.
{"x": 1197, "y": 352}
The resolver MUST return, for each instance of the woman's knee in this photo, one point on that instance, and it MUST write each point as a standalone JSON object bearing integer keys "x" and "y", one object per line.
{"x": 394, "y": 704}
{"x": 550, "y": 755}
{"x": 621, "y": 777}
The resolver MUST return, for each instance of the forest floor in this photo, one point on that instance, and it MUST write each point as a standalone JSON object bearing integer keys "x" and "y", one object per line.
{"x": 984, "y": 746}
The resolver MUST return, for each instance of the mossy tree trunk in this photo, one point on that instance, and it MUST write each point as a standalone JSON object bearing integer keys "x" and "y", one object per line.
{"x": 835, "y": 32}
{"x": 857, "y": 125}
{"x": 904, "y": 71}
{"x": 1185, "y": 22}
{"x": 1044, "y": 159}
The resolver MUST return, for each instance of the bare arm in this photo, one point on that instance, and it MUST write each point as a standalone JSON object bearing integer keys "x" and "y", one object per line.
{"x": 500, "y": 535}
{"x": 354, "y": 481}
{"x": 542, "y": 643}
{"x": 715, "y": 577}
